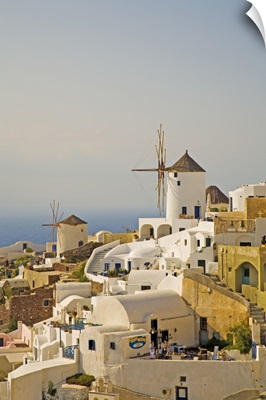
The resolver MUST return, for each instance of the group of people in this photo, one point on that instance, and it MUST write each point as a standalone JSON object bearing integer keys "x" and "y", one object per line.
{"x": 162, "y": 351}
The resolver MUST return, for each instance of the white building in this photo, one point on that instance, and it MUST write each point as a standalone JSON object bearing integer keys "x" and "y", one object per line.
{"x": 238, "y": 196}
{"x": 123, "y": 327}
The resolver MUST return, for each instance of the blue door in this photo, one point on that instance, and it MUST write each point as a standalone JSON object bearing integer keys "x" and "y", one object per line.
{"x": 117, "y": 266}
{"x": 181, "y": 393}
{"x": 197, "y": 212}
{"x": 245, "y": 276}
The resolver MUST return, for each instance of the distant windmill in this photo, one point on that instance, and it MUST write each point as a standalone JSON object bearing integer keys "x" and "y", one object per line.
{"x": 55, "y": 220}
{"x": 161, "y": 158}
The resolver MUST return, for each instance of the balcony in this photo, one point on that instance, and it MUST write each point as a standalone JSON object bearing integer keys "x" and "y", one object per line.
{"x": 226, "y": 226}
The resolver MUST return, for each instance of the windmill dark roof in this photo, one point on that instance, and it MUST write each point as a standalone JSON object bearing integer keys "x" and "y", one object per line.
{"x": 216, "y": 195}
{"x": 73, "y": 220}
{"x": 185, "y": 164}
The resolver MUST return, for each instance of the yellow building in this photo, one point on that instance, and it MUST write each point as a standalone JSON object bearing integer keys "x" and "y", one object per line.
{"x": 243, "y": 269}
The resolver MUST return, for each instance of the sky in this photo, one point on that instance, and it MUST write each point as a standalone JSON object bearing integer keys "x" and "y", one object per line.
{"x": 85, "y": 84}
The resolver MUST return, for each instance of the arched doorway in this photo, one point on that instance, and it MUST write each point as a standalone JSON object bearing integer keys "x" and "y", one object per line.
{"x": 246, "y": 274}
{"x": 146, "y": 231}
{"x": 164, "y": 230}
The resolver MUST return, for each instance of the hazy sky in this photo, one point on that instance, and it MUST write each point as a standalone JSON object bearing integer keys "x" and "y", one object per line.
{"x": 85, "y": 85}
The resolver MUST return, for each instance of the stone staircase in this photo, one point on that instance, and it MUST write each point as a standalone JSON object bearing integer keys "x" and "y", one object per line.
{"x": 258, "y": 315}
{"x": 256, "y": 312}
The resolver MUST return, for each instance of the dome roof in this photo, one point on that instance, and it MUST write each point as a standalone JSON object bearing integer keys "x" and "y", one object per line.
{"x": 136, "y": 308}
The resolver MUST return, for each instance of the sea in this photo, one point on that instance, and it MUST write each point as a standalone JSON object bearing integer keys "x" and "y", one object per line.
{"x": 15, "y": 228}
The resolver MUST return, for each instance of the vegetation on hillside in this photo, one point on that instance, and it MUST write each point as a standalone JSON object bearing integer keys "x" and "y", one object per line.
{"x": 238, "y": 337}
{"x": 79, "y": 272}
{"x": 80, "y": 379}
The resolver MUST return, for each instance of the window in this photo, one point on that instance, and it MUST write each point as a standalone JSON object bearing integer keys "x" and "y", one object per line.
{"x": 81, "y": 230}
{"x": 175, "y": 174}
{"x": 185, "y": 242}
{"x": 245, "y": 243}
{"x": 184, "y": 210}
{"x": 208, "y": 242}
{"x": 201, "y": 263}
{"x": 106, "y": 266}
{"x": 80, "y": 243}
{"x": 67, "y": 268}
{"x": 45, "y": 303}
{"x": 246, "y": 272}
{"x": 178, "y": 183}
{"x": 181, "y": 229}
{"x": 203, "y": 323}
{"x": 183, "y": 378}
{"x": 33, "y": 284}
{"x": 92, "y": 345}
{"x": 145, "y": 287}
{"x": 198, "y": 243}
{"x": 112, "y": 345}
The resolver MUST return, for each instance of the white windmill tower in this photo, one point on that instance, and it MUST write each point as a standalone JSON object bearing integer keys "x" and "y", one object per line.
{"x": 186, "y": 187}
{"x": 55, "y": 227}
{"x": 71, "y": 233}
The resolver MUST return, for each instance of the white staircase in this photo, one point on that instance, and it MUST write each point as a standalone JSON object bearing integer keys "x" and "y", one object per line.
{"x": 93, "y": 265}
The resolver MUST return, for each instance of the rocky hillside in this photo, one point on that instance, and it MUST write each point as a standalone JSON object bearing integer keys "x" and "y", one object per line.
{"x": 81, "y": 253}
{"x": 217, "y": 196}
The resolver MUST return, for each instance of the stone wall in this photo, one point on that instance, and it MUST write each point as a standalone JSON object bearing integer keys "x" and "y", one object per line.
{"x": 28, "y": 308}
{"x": 65, "y": 267}
{"x": 125, "y": 394}
{"x": 68, "y": 392}
{"x": 222, "y": 308}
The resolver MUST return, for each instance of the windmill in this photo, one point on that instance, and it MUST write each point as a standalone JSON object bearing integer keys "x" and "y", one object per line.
{"x": 55, "y": 220}
{"x": 161, "y": 158}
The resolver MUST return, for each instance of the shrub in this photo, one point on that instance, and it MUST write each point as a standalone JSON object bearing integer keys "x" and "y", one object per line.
{"x": 51, "y": 389}
{"x": 216, "y": 342}
{"x": 13, "y": 324}
{"x": 3, "y": 376}
{"x": 84, "y": 279}
{"x": 80, "y": 379}
{"x": 23, "y": 260}
{"x": 242, "y": 338}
